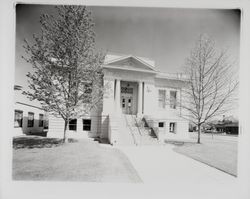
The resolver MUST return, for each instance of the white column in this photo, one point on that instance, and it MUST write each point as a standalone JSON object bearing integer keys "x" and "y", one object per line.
{"x": 118, "y": 96}
{"x": 139, "y": 98}
{"x": 79, "y": 126}
{"x": 108, "y": 97}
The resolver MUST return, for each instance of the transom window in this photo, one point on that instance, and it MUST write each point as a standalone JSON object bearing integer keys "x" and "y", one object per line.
{"x": 127, "y": 90}
{"x": 86, "y": 124}
{"x": 18, "y": 121}
{"x": 161, "y": 98}
{"x": 30, "y": 119}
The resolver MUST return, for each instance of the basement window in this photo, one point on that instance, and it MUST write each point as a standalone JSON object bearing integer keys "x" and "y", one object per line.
{"x": 161, "y": 124}
{"x": 86, "y": 124}
{"x": 172, "y": 127}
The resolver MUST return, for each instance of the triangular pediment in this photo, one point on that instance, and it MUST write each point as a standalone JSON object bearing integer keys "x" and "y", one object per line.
{"x": 130, "y": 63}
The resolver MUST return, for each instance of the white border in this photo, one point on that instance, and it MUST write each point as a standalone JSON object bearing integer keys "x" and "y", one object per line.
{"x": 10, "y": 189}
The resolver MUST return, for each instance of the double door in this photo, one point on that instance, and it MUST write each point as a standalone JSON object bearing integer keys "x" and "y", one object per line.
{"x": 127, "y": 104}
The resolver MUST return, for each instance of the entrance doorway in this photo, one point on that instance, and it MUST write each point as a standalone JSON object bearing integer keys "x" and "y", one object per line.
{"x": 127, "y": 104}
{"x": 128, "y": 97}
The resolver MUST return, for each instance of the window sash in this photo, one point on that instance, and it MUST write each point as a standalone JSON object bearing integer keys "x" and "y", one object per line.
{"x": 86, "y": 124}
{"x": 72, "y": 124}
{"x": 173, "y": 99}
{"x": 30, "y": 119}
{"x": 161, "y": 98}
{"x": 41, "y": 120}
{"x": 172, "y": 127}
{"x": 18, "y": 119}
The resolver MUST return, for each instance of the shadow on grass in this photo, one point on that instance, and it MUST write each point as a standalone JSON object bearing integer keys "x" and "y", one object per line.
{"x": 179, "y": 143}
{"x": 37, "y": 142}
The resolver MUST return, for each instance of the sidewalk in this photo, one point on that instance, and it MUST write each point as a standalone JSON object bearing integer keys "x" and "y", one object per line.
{"x": 160, "y": 164}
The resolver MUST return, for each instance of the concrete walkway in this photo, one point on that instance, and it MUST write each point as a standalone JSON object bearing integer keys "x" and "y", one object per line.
{"x": 167, "y": 173}
{"x": 160, "y": 164}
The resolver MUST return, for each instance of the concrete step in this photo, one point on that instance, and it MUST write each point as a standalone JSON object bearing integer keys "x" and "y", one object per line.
{"x": 141, "y": 134}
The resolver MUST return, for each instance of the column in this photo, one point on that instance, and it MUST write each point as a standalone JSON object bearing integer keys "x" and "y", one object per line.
{"x": 118, "y": 96}
{"x": 108, "y": 97}
{"x": 139, "y": 98}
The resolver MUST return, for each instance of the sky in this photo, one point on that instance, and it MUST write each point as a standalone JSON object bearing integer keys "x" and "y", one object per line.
{"x": 165, "y": 35}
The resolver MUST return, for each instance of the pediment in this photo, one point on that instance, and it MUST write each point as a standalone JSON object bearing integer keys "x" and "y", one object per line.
{"x": 132, "y": 63}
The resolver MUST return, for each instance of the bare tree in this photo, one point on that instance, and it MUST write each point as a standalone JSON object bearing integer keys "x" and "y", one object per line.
{"x": 67, "y": 77}
{"x": 212, "y": 83}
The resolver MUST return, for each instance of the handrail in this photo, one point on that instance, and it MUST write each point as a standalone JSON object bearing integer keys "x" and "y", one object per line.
{"x": 152, "y": 129}
{"x": 137, "y": 125}
{"x": 131, "y": 132}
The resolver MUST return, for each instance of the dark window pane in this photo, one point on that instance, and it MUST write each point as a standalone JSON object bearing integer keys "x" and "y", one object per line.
{"x": 161, "y": 124}
{"x": 72, "y": 124}
{"x": 18, "y": 120}
{"x": 30, "y": 119}
{"x": 41, "y": 119}
{"x": 86, "y": 124}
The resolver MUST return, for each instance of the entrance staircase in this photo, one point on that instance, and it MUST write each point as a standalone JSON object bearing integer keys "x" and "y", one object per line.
{"x": 138, "y": 132}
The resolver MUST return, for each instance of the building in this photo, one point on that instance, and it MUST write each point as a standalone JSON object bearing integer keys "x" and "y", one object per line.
{"x": 228, "y": 128}
{"x": 138, "y": 98}
{"x": 28, "y": 118}
{"x": 228, "y": 125}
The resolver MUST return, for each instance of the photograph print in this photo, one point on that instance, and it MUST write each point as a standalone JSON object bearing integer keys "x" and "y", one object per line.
{"x": 126, "y": 94}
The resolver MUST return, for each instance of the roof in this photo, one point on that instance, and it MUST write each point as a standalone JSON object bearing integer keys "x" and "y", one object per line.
{"x": 233, "y": 124}
{"x": 22, "y": 99}
{"x": 116, "y": 57}
{"x": 29, "y": 105}
{"x": 139, "y": 64}
{"x": 176, "y": 76}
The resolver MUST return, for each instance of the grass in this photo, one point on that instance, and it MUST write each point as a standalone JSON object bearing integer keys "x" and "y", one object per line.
{"x": 84, "y": 160}
{"x": 219, "y": 152}
{"x": 35, "y": 142}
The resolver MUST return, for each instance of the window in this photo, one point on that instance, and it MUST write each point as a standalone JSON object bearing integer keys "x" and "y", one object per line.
{"x": 30, "y": 119}
{"x": 123, "y": 103}
{"x": 173, "y": 99}
{"x": 18, "y": 121}
{"x": 126, "y": 90}
{"x": 161, "y": 98}
{"x": 161, "y": 124}
{"x": 41, "y": 119}
{"x": 86, "y": 124}
{"x": 172, "y": 127}
{"x": 72, "y": 124}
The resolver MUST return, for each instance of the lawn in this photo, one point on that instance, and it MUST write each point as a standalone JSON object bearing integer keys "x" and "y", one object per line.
{"x": 37, "y": 158}
{"x": 217, "y": 151}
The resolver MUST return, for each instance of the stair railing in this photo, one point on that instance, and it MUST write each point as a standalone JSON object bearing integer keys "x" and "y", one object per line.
{"x": 137, "y": 125}
{"x": 131, "y": 131}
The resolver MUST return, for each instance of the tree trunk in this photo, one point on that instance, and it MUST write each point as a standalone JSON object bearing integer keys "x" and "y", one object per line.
{"x": 199, "y": 134}
{"x": 66, "y": 128}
